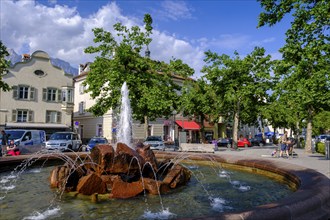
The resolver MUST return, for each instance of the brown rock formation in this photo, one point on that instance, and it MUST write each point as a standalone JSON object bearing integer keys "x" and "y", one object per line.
{"x": 124, "y": 172}
{"x": 102, "y": 158}
{"x": 150, "y": 160}
{"x": 177, "y": 175}
{"x": 126, "y": 160}
{"x": 123, "y": 190}
{"x": 91, "y": 184}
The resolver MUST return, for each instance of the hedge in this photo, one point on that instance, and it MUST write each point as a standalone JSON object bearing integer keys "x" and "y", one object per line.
{"x": 320, "y": 148}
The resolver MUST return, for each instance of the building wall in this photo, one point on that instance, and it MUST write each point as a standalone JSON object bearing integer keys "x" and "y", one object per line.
{"x": 86, "y": 119}
{"x": 23, "y": 73}
{"x": 109, "y": 123}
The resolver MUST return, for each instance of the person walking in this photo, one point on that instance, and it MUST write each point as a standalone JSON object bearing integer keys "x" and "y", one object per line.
{"x": 4, "y": 142}
{"x": 284, "y": 144}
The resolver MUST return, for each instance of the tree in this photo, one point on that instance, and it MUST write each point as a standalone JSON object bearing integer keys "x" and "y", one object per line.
{"x": 199, "y": 100}
{"x": 4, "y": 64}
{"x": 240, "y": 85}
{"x": 321, "y": 123}
{"x": 305, "y": 66}
{"x": 152, "y": 91}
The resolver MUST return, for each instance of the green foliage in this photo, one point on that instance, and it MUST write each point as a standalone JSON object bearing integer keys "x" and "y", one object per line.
{"x": 152, "y": 90}
{"x": 198, "y": 99}
{"x": 4, "y": 64}
{"x": 320, "y": 148}
{"x": 321, "y": 123}
{"x": 239, "y": 84}
{"x": 302, "y": 142}
{"x": 305, "y": 68}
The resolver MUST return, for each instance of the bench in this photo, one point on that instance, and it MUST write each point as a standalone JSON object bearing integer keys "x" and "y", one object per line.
{"x": 205, "y": 148}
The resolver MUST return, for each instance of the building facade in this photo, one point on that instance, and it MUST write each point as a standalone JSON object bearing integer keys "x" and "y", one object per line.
{"x": 41, "y": 96}
{"x": 87, "y": 125}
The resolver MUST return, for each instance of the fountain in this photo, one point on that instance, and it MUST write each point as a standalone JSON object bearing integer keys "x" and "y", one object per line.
{"x": 161, "y": 185}
{"x": 124, "y": 134}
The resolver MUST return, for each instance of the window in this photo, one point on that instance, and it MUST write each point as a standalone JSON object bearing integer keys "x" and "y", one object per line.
{"x": 81, "y": 107}
{"x": 51, "y": 95}
{"x": 23, "y": 92}
{"x": 39, "y": 73}
{"x": 27, "y": 136}
{"x": 99, "y": 131}
{"x": 67, "y": 95}
{"x": 22, "y": 115}
{"x": 81, "y": 89}
{"x": 53, "y": 117}
{"x": 81, "y": 130}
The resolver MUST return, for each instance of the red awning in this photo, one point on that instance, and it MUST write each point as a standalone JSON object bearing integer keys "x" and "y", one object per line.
{"x": 188, "y": 125}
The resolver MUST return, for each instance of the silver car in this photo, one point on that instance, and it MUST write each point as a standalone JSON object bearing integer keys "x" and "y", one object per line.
{"x": 64, "y": 141}
{"x": 155, "y": 142}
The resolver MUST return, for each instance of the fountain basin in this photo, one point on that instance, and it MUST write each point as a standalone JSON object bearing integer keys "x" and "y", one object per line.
{"x": 311, "y": 200}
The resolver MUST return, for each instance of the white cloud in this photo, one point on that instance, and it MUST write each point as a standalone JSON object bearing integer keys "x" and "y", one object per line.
{"x": 175, "y": 10}
{"x": 63, "y": 33}
{"x": 263, "y": 42}
{"x": 27, "y": 26}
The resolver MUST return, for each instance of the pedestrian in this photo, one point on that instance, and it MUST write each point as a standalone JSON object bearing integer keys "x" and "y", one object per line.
{"x": 284, "y": 144}
{"x": 4, "y": 142}
{"x": 12, "y": 149}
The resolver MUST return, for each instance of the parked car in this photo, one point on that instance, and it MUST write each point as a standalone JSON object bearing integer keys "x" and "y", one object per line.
{"x": 95, "y": 141}
{"x": 27, "y": 141}
{"x": 155, "y": 142}
{"x": 322, "y": 138}
{"x": 209, "y": 138}
{"x": 244, "y": 142}
{"x": 257, "y": 141}
{"x": 64, "y": 141}
{"x": 224, "y": 142}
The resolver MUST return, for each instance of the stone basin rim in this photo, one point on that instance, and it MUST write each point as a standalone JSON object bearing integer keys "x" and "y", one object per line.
{"x": 311, "y": 200}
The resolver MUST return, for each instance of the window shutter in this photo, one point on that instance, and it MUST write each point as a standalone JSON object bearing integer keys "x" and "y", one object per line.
{"x": 47, "y": 117}
{"x": 58, "y": 117}
{"x": 14, "y": 115}
{"x": 30, "y": 117}
{"x": 32, "y": 93}
{"x": 59, "y": 95}
{"x": 15, "y": 92}
{"x": 44, "y": 94}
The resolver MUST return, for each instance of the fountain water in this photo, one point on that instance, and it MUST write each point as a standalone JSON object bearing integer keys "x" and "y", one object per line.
{"x": 124, "y": 134}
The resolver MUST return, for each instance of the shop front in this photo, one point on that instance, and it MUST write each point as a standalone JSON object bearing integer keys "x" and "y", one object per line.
{"x": 190, "y": 129}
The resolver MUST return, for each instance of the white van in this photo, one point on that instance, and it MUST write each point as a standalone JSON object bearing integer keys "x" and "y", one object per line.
{"x": 64, "y": 141}
{"x": 28, "y": 141}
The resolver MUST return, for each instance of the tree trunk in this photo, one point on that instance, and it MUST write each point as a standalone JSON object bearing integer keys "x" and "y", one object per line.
{"x": 308, "y": 144}
{"x": 298, "y": 134}
{"x": 201, "y": 131}
{"x": 235, "y": 129}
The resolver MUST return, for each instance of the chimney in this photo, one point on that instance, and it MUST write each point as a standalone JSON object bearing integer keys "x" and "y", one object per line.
{"x": 25, "y": 57}
{"x": 80, "y": 69}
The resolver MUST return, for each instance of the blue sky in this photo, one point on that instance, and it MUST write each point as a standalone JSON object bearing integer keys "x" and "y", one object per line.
{"x": 182, "y": 29}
